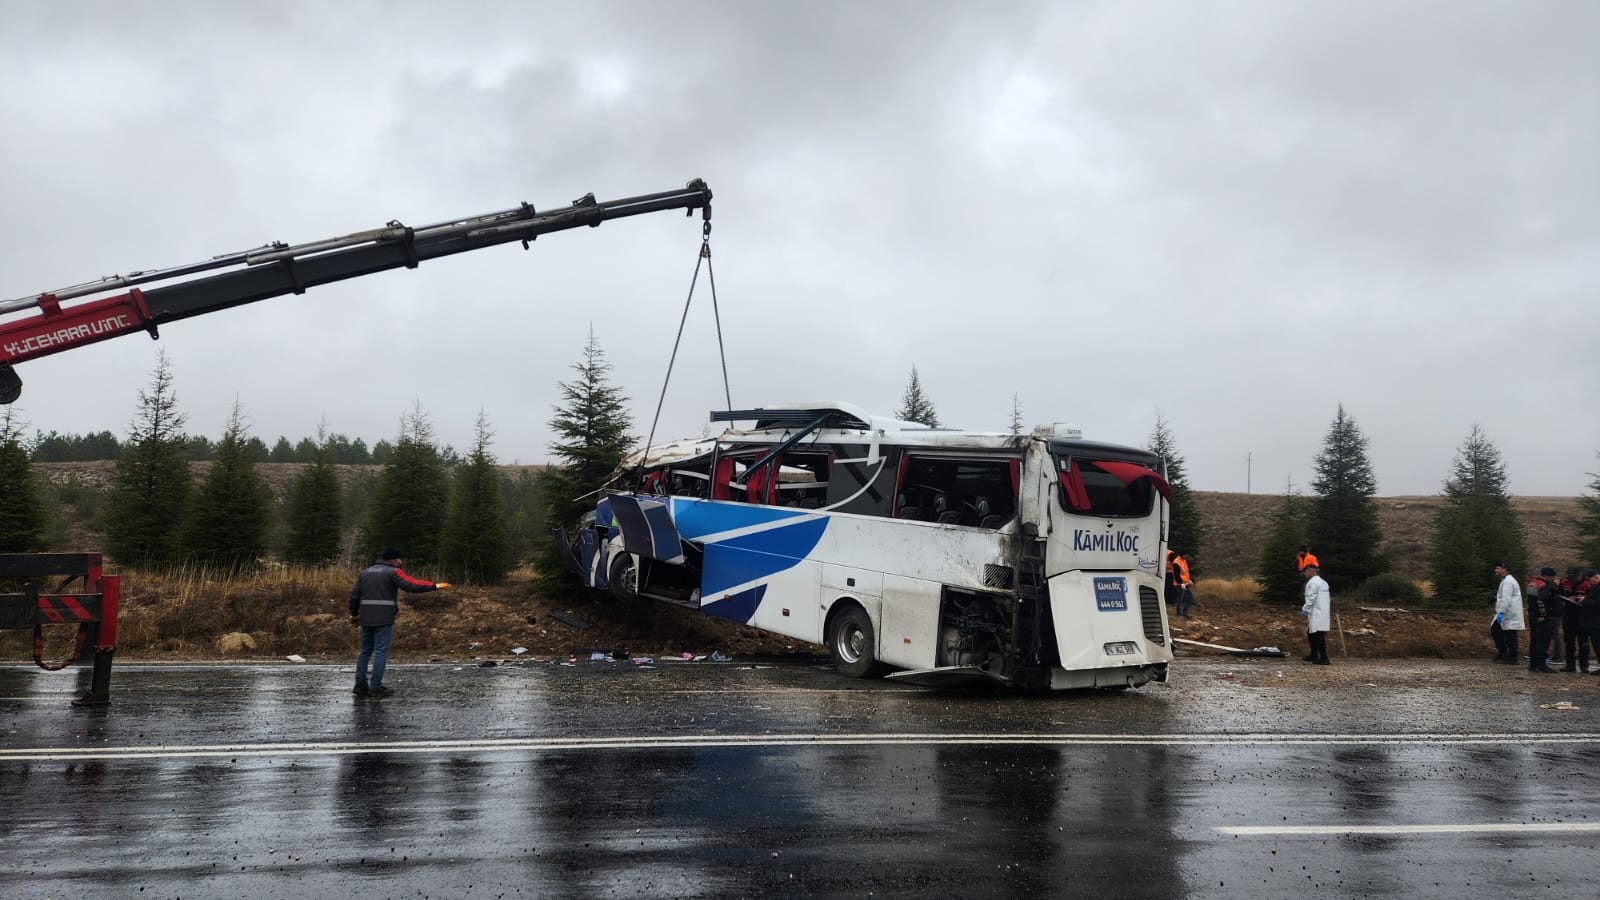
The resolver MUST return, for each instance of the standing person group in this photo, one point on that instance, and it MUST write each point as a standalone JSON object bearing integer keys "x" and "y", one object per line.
{"x": 374, "y": 603}
{"x": 1562, "y": 614}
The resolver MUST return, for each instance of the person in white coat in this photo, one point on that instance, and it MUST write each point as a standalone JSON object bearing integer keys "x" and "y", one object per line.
{"x": 1508, "y": 613}
{"x": 1319, "y": 603}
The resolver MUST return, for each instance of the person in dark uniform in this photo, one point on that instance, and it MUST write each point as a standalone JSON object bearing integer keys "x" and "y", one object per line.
{"x": 1544, "y": 616}
{"x": 1589, "y": 621}
{"x": 374, "y": 603}
{"x": 1574, "y": 645}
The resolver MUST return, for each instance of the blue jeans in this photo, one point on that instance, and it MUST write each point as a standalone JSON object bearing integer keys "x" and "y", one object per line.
{"x": 1185, "y": 601}
{"x": 374, "y": 646}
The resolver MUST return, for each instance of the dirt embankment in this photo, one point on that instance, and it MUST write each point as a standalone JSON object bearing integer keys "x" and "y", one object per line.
{"x": 1237, "y": 526}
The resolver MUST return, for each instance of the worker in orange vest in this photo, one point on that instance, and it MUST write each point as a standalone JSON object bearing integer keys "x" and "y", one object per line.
{"x": 1180, "y": 572}
{"x": 1305, "y": 558}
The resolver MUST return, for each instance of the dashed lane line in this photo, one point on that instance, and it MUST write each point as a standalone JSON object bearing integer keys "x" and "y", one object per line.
{"x": 1476, "y": 828}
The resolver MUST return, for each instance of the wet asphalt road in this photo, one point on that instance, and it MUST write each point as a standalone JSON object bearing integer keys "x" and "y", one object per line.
{"x": 698, "y": 779}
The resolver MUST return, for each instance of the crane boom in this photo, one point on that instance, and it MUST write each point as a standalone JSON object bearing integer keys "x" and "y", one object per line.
{"x": 276, "y": 269}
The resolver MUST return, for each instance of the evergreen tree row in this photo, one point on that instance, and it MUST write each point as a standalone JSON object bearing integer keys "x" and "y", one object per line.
{"x": 1475, "y": 527}
{"x": 103, "y": 445}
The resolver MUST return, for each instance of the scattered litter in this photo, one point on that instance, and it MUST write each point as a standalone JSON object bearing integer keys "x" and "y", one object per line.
{"x": 572, "y": 664}
{"x": 1234, "y": 651}
{"x": 519, "y": 650}
{"x": 647, "y": 667}
{"x": 719, "y": 656}
{"x": 700, "y": 658}
{"x": 1225, "y": 676}
{"x": 1383, "y": 609}
{"x": 1560, "y": 704}
{"x": 295, "y": 657}
{"x": 766, "y": 667}
{"x": 642, "y": 660}
{"x": 1361, "y": 631}
{"x": 473, "y": 645}
{"x": 597, "y": 655}
{"x": 570, "y": 620}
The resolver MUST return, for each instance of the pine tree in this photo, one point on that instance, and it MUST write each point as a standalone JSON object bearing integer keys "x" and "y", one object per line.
{"x": 591, "y": 439}
{"x": 226, "y": 526}
{"x": 1475, "y": 527}
{"x": 314, "y": 512}
{"x": 1187, "y": 528}
{"x": 408, "y": 502}
{"x": 22, "y": 513}
{"x": 1016, "y": 413}
{"x": 474, "y": 547}
{"x": 1276, "y": 578}
{"x": 524, "y": 502}
{"x": 1589, "y": 525}
{"x": 1343, "y": 520}
{"x": 915, "y": 405}
{"x": 150, "y": 490}
{"x": 282, "y": 451}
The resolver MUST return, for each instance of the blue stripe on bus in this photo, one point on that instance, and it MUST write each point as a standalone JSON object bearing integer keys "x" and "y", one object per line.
{"x": 697, "y": 518}
{"x": 740, "y": 607}
{"x": 759, "y": 556}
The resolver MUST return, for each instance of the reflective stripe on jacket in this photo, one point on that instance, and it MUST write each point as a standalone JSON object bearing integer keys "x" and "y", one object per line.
{"x": 375, "y": 595}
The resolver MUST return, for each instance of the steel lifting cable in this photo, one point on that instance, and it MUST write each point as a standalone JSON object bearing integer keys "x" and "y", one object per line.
{"x": 704, "y": 256}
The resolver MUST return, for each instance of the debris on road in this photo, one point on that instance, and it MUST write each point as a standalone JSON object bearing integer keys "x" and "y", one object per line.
{"x": 1234, "y": 651}
{"x": 295, "y": 657}
{"x": 1560, "y": 704}
{"x": 570, "y": 620}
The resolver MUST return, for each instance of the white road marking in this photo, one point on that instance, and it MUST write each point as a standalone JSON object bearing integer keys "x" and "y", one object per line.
{"x": 1490, "y": 827}
{"x": 655, "y": 742}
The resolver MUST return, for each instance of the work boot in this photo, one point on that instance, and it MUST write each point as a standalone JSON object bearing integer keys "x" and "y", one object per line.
{"x": 360, "y": 690}
{"x": 1569, "y": 667}
{"x": 381, "y": 692}
{"x": 1542, "y": 669}
{"x": 1321, "y": 662}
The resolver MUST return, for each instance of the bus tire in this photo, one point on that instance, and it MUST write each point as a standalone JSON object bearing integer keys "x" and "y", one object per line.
{"x": 852, "y": 643}
{"x": 624, "y": 577}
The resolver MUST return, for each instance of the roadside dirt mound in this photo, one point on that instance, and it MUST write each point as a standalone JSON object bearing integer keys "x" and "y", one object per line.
{"x": 1237, "y": 526}
{"x": 1359, "y": 632}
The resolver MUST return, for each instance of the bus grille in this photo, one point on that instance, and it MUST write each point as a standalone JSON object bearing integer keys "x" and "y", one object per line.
{"x": 1150, "y": 614}
{"x": 997, "y": 576}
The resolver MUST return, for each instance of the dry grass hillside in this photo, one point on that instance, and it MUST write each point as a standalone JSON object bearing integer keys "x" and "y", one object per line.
{"x": 1237, "y": 527}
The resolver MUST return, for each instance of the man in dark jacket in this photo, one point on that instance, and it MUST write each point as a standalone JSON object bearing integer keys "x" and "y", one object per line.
{"x": 1544, "y": 615}
{"x": 1589, "y": 620}
{"x": 1575, "y": 646}
{"x": 374, "y": 603}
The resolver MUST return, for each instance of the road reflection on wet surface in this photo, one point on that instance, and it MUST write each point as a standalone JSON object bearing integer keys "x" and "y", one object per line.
{"x": 733, "y": 780}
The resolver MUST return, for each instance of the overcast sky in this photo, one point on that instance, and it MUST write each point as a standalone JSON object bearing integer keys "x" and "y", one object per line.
{"x": 1234, "y": 215}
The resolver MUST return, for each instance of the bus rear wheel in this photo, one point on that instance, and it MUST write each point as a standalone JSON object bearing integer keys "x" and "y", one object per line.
{"x": 852, "y": 643}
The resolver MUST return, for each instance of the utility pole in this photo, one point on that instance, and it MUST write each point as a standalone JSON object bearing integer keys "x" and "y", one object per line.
{"x": 1247, "y": 459}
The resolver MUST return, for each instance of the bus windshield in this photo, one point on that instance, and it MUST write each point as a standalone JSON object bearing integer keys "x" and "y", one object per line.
{"x": 1107, "y": 488}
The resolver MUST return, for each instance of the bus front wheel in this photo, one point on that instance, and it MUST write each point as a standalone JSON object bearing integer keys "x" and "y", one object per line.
{"x": 624, "y": 577}
{"x": 853, "y": 645}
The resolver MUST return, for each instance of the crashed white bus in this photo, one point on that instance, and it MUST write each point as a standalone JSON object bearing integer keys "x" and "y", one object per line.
{"x": 1033, "y": 560}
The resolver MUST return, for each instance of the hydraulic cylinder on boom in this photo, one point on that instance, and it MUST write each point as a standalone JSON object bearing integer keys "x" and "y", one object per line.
{"x": 275, "y": 269}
